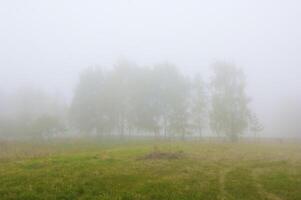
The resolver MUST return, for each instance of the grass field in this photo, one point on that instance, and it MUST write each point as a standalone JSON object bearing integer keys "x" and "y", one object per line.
{"x": 114, "y": 170}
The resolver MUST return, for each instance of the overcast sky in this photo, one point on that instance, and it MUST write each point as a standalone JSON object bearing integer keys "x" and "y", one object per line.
{"x": 47, "y": 43}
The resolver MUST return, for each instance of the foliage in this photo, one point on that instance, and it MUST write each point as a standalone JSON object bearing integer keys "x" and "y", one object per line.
{"x": 30, "y": 112}
{"x": 198, "y": 105}
{"x": 229, "y": 111}
{"x": 128, "y": 97}
{"x": 47, "y": 126}
{"x": 157, "y": 100}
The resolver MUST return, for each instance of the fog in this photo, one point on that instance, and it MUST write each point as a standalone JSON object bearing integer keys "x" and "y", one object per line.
{"x": 45, "y": 45}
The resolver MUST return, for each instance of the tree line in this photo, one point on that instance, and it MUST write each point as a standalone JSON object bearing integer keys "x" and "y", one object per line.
{"x": 158, "y": 101}
{"x": 161, "y": 101}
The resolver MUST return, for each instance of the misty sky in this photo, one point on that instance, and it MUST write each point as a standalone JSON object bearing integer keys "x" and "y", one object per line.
{"x": 47, "y": 43}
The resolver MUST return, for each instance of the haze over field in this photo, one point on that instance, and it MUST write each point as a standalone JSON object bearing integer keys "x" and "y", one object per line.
{"x": 150, "y": 99}
{"x": 47, "y": 44}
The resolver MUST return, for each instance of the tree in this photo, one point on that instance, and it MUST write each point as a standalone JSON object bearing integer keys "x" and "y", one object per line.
{"x": 46, "y": 126}
{"x": 119, "y": 84}
{"x": 198, "y": 105}
{"x": 24, "y": 109}
{"x": 175, "y": 104}
{"x": 145, "y": 111}
{"x": 158, "y": 100}
{"x": 87, "y": 107}
{"x": 255, "y": 125}
{"x": 229, "y": 110}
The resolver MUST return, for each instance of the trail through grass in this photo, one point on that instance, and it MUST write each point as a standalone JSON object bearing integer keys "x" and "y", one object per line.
{"x": 113, "y": 170}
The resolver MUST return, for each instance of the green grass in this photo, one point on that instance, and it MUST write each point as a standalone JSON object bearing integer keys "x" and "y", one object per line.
{"x": 113, "y": 170}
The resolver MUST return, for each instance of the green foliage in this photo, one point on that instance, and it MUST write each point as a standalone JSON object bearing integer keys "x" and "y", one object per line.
{"x": 32, "y": 113}
{"x": 157, "y": 100}
{"x": 229, "y": 112}
{"x": 128, "y": 97}
{"x": 87, "y": 109}
{"x": 198, "y": 105}
{"x": 46, "y": 126}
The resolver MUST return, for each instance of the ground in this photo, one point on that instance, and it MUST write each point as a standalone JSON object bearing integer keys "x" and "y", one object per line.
{"x": 150, "y": 170}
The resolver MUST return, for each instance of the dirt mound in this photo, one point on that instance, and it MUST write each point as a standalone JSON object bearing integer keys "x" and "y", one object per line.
{"x": 162, "y": 155}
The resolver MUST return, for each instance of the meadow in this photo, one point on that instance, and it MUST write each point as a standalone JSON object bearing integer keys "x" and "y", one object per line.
{"x": 150, "y": 170}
